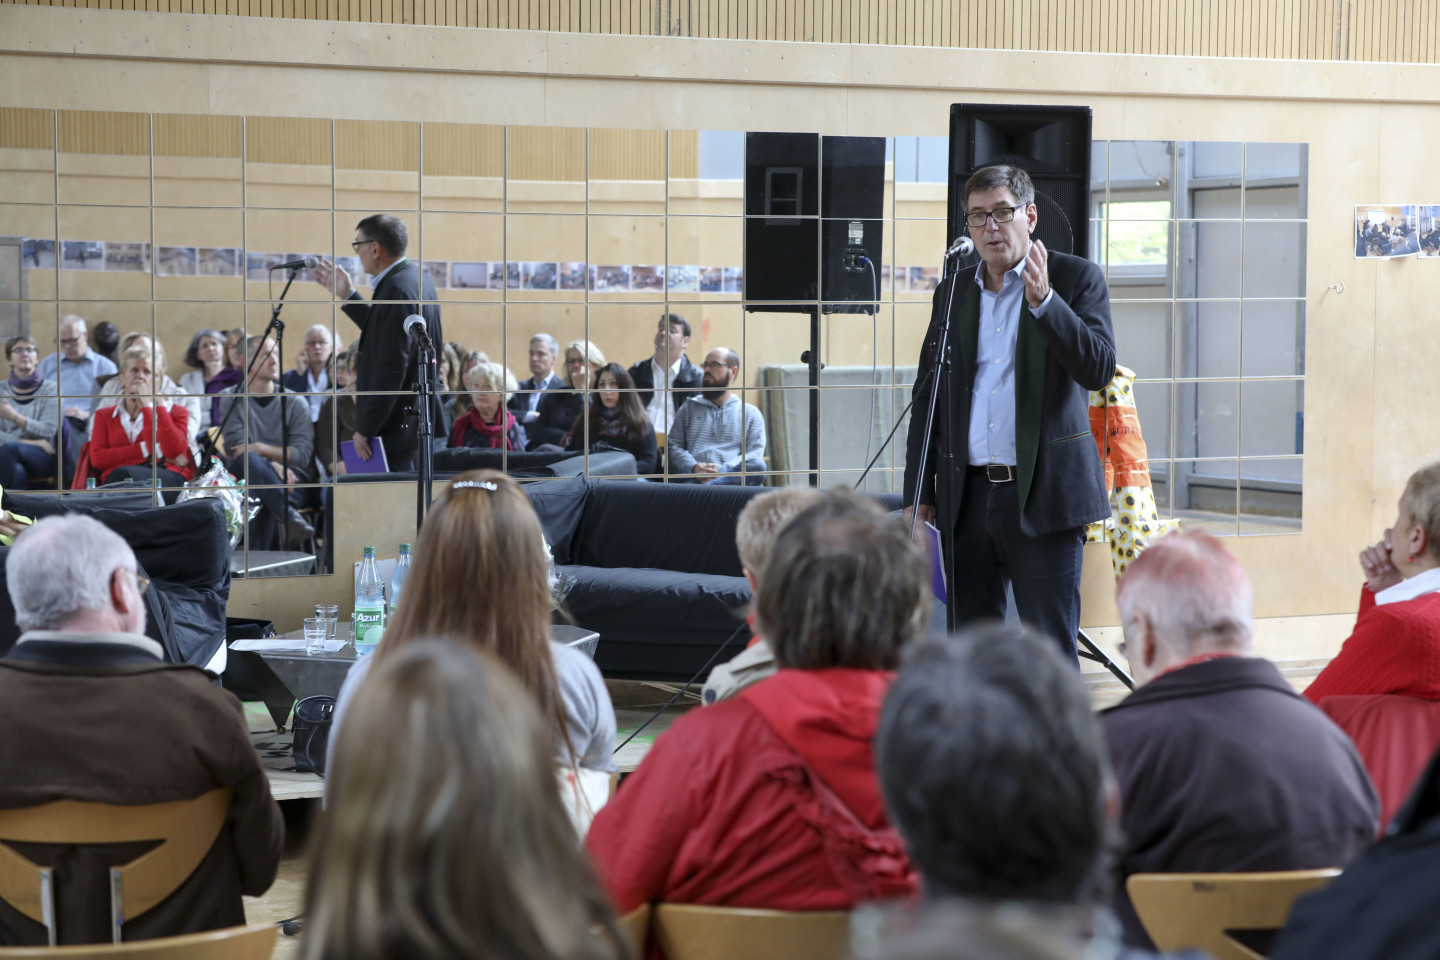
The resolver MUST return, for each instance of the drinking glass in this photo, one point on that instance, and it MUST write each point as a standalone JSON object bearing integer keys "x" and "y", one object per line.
{"x": 316, "y": 630}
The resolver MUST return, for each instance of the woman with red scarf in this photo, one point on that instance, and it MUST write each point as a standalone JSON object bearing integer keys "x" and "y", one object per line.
{"x": 144, "y": 436}
{"x": 488, "y": 424}
{"x": 770, "y": 799}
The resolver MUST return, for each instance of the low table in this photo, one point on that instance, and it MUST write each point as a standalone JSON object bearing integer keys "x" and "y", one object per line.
{"x": 291, "y": 675}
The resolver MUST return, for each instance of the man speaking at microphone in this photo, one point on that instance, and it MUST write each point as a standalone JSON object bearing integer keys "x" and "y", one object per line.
{"x": 386, "y": 357}
{"x": 1031, "y": 336}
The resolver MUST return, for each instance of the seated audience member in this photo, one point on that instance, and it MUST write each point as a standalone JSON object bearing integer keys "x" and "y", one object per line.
{"x": 558, "y": 409}
{"x": 143, "y": 437}
{"x": 993, "y": 768}
{"x": 452, "y": 387}
{"x": 110, "y": 391}
{"x": 1395, "y": 647}
{"x": 206, "y": 355}
{"x": 544, "y": 350}
{"x": 756, "y": 528}
{"x": 316, "y": 377}
{"x": 1222, "y": 766}
{"x": 106, "y": 340}
{"x": 337, "y": 415}
{"x": 615, "y": 419}
{"x": 1383, "y": 906}
{"x": 254, "y": 437}
{"x": 444, "y": 836}
{"x": 488, "y": 425}
{"x": 716, "y": 433}
{"x": 667, "y": 379}
{"x": 770, "y": 799}
{"x": 74, "y": 369}
{"x": 107, "y": 721}
{"x": 481, "y": 579}
{"x": 29, "y": 419}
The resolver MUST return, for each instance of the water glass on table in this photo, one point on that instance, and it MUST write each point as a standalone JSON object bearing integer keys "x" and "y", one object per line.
{"x": 316, "y": 630}
{"x": 330, "y": 613}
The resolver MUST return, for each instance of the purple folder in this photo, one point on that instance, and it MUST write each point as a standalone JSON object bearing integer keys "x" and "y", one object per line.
{"x": 353, "y": 463}
{"x": 937, "y": 563}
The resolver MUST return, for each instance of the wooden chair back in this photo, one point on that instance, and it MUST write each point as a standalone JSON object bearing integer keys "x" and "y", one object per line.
{"x": 636, "y": 927}
{"x": 1184, "y": 911}
{"x": 687, "y": 932}
{"x": 255, "y": 942}
{"x": 186, "y": 830}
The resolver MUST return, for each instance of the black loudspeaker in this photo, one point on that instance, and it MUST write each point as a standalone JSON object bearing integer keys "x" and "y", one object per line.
{"x": 792, "y": 257}
{"x": 1052, "y": 144}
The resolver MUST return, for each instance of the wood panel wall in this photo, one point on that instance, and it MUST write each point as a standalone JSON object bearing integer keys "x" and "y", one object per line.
{"x": 1379, "y": 30}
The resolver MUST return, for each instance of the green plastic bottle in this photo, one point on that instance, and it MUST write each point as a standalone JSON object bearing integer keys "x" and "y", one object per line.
{"x": 368, "y": 621}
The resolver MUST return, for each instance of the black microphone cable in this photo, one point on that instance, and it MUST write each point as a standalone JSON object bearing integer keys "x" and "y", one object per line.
{"x": 688, "y": 684}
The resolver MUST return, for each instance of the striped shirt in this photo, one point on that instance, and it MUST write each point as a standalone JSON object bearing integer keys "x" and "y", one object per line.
{"x": 703, "y": 432}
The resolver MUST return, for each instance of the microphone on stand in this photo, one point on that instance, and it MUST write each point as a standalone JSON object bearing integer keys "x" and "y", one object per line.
{"x": 962, "y": 247}
{"x": 304, "y": 263}
{"x": 415, "y": 327}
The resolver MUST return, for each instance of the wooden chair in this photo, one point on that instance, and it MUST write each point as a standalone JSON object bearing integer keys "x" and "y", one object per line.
{"x": 186, "y": 828}
{"x": 1199, "y": 910}
{"x": 255, "y": 942}
{"x": 687, "y": 932}
{"x": 636, "y": 926}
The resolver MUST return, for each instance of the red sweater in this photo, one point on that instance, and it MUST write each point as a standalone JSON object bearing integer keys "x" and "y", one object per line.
{"x": 111, "y": 448}
{"x": 723, "y": 810}
{"x": 1395, "y": 648}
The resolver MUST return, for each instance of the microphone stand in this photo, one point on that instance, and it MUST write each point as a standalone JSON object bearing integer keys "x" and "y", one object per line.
{"x": 425, "y": 428}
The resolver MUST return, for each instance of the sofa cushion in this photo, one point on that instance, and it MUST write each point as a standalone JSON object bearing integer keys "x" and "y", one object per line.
{"x": 687, "y": 528}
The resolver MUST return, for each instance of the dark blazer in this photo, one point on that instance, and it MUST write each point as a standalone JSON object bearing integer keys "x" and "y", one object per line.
{"x": 554, "y": 417}
{"x": 386, "y": 359}
{"x": 687, "y": 381}
{"x": 1060, "y": 358}
{"x": 1223, "y": 767}
{"x": 520, "y": 403}
{"x": 298, "y": 381}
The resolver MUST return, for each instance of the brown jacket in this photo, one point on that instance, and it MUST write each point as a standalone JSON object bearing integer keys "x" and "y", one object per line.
{"x": 107, "y": 722}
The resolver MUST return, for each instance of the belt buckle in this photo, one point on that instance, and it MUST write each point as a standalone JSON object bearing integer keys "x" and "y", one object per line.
{"x": 999, "y": 472}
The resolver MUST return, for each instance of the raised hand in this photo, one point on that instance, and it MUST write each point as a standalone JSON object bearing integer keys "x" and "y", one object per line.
{"x": 1378, "y": 567}
{"x": 1036, "y": 274}
{"x": 334, "y": 278}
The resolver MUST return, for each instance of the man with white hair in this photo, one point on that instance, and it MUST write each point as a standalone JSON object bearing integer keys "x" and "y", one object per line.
{"x": 99, "y": 717}
{"x": 1222, "y": 767}
{"x": 75, "y": 368}
{"x": 313, "y": 379}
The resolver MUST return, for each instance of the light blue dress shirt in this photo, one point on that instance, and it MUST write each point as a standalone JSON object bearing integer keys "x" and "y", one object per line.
{"x": 76, "y": 377}
{"x": 992, "y": 396}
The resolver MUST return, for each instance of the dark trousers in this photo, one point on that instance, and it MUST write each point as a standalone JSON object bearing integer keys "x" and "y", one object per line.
{"x": 169, "y": 479}
{"x": 21, "y": 461}
{"x": 1043, "y": 571}
{"x": 400, "y": 444}
{"x": 274, "y": 502}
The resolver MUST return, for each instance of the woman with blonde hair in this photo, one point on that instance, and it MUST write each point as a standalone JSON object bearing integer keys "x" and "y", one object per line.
{"x": 488, "y": 425}
{"x": 445, "y": 838}
{"x": 481, "y": 578}
{"x": 163, "y": 386}
{"x": 558, "y": 410}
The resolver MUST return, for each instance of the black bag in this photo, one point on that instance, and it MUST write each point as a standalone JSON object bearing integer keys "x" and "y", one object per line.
{"x": 310, "y": 728}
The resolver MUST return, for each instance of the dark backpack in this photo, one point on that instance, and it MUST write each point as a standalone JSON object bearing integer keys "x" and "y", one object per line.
{"x": 311, "y": 733}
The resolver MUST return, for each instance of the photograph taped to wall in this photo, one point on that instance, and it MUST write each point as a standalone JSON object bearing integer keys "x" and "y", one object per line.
{"x": 539, "y": 275}
{"x": 127, "y": 257}
{"x": 646, "y": 277}
{"x": 218, "y": 261}
{"x": 609, "y": 279}
{"x": 733, "y": 280}
{"x": 1427, "y": 223}
{"x": 257, "y": 265}
{"x": 1386, "y": 230}
{"x": 469, "y": 276}
{"x": 439, "y": 273}
{"x": 37, "y": 254}
{"x": 712, "y": 280}
{"x": 175, "y": 262}
{"x": 924, "y": 278}
{"x": 572, "y": 276}
{"x": 82, "y": 255}
{"x": 512, "y": 275}
{"x": 684, "y": 278}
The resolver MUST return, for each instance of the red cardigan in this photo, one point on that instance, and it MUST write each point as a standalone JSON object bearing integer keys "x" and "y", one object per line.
{"x": 723, "y": 810}
{"x": 1395, "y": 648}
{"x": 110, "y": 448}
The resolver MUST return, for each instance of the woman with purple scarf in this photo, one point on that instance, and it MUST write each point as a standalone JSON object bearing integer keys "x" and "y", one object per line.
{"x": 29, "y": 418}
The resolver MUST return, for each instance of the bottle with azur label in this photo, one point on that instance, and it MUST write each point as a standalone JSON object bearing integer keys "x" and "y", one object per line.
{"x": 368, "y": 621}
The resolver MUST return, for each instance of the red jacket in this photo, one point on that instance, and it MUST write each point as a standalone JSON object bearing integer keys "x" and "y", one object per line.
{"x": 1395, "y": 648}
{"x": 111, "y": 448}
{"x": 724, "y": 810}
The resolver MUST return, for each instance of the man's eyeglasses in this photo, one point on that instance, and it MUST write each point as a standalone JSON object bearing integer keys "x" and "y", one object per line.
{"x": 1002, "y": 215}
{"x": 357, "y": 244}
{"x": 70, "y": 341}
{"x": 715, "y": 365}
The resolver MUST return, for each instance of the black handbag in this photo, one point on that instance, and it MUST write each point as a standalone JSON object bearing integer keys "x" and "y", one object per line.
{"x": 310, "y": 728}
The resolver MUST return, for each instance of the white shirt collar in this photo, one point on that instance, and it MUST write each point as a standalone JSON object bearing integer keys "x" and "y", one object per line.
{"x": 123, "y": 639}
{"x": 674, "y": 370}
{"x": 381, "y": 275}
{"x": 1427, "y": 581}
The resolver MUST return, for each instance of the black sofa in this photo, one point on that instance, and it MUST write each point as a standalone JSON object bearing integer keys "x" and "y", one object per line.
{"x": 185, "y": 551}
{"x": 521, "y": 465}
{"x": 654, "y": 568}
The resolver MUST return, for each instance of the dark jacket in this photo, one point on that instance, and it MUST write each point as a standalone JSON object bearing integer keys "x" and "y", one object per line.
{"x": 1223, "y": 767}
{"x": 1383, "y": 907}
{"x": 386, "y": 359}
{"x": 556, "y": 414}
{"x": 687, "y": 381}
{"x": 109, "y": 723}
{"x": 1059, "y": 359}
{"x": 643, "y": 448}
{"x": 519, "y": 403}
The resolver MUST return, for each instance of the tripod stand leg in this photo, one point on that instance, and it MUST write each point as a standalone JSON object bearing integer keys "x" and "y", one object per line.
{"x": 1090, "y": 650}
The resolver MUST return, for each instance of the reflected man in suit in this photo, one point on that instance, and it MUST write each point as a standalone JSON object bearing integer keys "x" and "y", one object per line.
{"x": 544, "y": 351}
{"x": 1030, "y": 336}
{"x": 385, "y": 358}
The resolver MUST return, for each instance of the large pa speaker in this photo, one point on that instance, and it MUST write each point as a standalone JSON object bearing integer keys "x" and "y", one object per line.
{"x": 1050, "y": 143}
{"x": 790, "y": 256}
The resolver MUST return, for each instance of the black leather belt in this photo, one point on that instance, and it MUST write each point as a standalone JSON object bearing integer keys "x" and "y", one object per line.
{"x": 994, "y": 472}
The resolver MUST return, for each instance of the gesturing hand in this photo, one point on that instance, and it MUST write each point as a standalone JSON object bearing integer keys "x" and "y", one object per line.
{"x": 1036, "y": 274}
{"x": 1377, "y": 566}
{"x": 334, "y": 278}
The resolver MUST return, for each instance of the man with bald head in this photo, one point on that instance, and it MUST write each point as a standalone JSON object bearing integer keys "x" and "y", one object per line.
{"x": 74, "y": 368}
{"x": 716, "y": 437}
{"x": 1222, "y": 767}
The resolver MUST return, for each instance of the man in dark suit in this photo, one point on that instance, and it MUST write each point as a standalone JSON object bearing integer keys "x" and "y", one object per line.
{"x": 385, "y": 357}
{"x": 544, "y": 351}
{"x": 668, "y": 367}
{"x": 1030, "y": 337}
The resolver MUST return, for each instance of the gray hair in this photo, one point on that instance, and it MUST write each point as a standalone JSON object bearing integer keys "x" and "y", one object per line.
{"x": 62, "y": 566}
{"x": 500, "y": 379}
{"x": 321, "y": 328}
{"x": 549, "y": 341}
{"x": 1014, "y": 179}
{"x": 1422, "y": 499}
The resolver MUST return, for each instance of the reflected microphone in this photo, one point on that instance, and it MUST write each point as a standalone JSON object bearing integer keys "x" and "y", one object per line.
{"x": 415, "y": 327}
{"x": 963, "y": 247}
{"x": 304, "y": 263}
